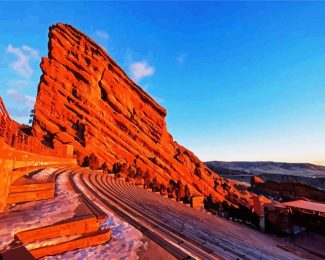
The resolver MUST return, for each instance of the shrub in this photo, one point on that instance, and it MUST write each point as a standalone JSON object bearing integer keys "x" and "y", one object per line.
{"x": 93, "y": 162}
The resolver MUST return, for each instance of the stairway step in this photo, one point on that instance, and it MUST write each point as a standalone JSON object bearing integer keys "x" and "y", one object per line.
{"x": 14, "y": 198}
{"x": 92, "y": 239}
{"x": 75, "y": 226}
{"x": 31, "y": 187}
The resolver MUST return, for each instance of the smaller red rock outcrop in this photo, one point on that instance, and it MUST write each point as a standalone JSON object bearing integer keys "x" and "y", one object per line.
{"x": 287, "y": 190}
{"x": 256, "y": 180}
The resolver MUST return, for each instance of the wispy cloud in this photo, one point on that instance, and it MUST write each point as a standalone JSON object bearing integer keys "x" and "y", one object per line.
{"x": 26, "y": 101}
{"x": 19, "y": 113}
{"x": 140, "y": 70}
{"x": 102, "y": 34}
{"x": 158, "y": 99}
{"x": 19, "y": 83}
{"x": 23, "y": 56}
{"x": 181, "y": 58}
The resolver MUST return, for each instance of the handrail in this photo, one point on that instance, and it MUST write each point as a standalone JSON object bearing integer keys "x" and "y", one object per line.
{"x": 3, "y": 109}
{"x": 14, "y": 137}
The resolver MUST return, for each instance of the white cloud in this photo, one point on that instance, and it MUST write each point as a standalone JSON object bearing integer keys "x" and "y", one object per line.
{"x": 23, "y": 55}
{"x": 30, "y": 52}
{"x": 140, "y": 70}
{"x": 19, "y": 83}
{"x": 102, "y": 34}
{"x": 181, "y": 58}
{"x": 25, "y": 100}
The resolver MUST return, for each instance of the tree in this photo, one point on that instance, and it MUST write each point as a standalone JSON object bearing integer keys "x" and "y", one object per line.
{"x": 187, "y": 196}
{"x": 197, "y": 172}
{"x": 31, "y": 116}
{"x": 105, "y": 168}
{"x": 163, "y": 189}
{"x": 180, "y": 190}
{"x": 79, "y": 157}
{"x": 85, "y": 162}
{"x": 146, "y": 178}
{"x": 131, "y": 172}
{"x": 93, "y": 162}
{"x": 155, "y": 185}
{"x": 117, "y": 168}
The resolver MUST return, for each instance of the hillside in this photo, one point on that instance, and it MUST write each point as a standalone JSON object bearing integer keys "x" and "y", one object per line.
{"x": 296, "y": 172}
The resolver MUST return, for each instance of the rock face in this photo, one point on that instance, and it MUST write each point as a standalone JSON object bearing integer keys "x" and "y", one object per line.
{"x": 256, "y": 180}
{"x": 85, "y": 99}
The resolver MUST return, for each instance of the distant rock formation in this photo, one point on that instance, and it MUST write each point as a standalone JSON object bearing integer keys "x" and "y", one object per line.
{"x": 256, "y": 180}
{"x": 85, "y": 99}
{"x": 287, "y": 190}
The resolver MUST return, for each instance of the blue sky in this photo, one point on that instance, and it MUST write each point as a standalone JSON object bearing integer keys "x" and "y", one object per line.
{"x": 240, "y": 81}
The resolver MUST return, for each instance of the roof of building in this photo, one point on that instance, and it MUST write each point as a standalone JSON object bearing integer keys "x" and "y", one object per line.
{"x": 306, "y": 205}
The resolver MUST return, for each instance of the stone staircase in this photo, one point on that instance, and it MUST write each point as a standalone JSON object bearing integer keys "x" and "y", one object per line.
{"x": 25, "y": 189}
{"x": 82, "y": 230}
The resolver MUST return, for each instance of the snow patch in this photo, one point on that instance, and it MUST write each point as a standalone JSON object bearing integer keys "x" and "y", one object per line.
{"x": 44, "y": 174}
{"x": 37, "y": 214}
{"x": 126, "y": 240}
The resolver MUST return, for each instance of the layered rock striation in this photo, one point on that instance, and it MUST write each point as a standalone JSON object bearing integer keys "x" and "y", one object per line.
{"x": 85, "y": 99}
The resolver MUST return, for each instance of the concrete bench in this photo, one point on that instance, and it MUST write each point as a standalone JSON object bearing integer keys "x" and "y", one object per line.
{"x": 74, "y": 226}
{"x": 92, "y": 239}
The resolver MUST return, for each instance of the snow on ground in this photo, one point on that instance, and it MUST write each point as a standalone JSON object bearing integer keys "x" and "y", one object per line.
{"x": 44, "y": 174}
{"x": 38, "y": 213}
{"x": 124, "y": 244}
{"x": 125, "y": 241}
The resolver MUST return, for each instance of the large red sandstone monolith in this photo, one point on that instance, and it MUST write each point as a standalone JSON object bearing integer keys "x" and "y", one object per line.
{"x": 85, "y": 99}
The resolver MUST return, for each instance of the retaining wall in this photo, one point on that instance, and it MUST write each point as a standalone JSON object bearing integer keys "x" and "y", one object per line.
{"x": 16, "y": 163}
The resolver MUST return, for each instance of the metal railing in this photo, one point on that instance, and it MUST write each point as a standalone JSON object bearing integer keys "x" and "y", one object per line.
{"x": 14, "y": 137}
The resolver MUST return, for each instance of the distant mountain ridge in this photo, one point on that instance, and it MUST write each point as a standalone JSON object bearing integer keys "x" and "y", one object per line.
{"x": 306, "y": 173}
{"x": 261, "y": 167}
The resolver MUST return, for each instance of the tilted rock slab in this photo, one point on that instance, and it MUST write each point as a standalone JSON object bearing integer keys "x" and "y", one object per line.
{"x": 85, "y": 99}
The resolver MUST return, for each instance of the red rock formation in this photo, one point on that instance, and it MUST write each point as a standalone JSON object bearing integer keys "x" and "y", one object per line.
{"x": 288, "y": 190}
{"x": 85, "y": 99}
{"x": 256, "y": 180}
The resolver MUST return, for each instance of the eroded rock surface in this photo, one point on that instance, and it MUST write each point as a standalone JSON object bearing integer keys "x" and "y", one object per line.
{"x": 287, "y": 190}
{"x": 85, "y": 99}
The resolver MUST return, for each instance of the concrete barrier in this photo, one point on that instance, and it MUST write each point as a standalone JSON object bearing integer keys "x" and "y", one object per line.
{"x": 14, "y": 198}
{"x": 66, "y": 228}
{"x": 31, "y": 187}
{"x": 5, "y": 169}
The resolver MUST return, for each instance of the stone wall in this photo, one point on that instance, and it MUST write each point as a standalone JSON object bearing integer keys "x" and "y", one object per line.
{"x": 16, "y": 163}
